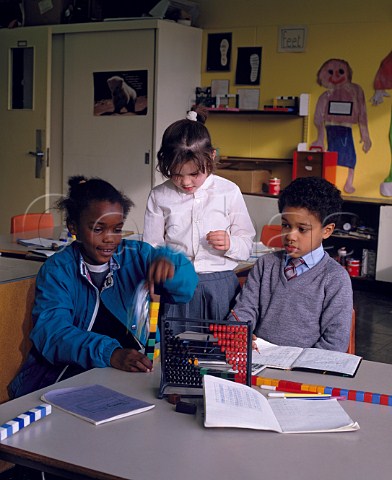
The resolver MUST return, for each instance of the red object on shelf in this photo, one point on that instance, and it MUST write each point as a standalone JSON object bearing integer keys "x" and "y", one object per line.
{"x": 315, "y": 163}
{"x": 353, "y": 267}
{"x": 274, "y": 186}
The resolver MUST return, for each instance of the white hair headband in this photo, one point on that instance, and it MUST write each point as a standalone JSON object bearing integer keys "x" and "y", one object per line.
{"x": 191, "y": 115}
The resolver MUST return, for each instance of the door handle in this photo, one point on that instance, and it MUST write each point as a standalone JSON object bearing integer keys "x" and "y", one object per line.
{"x": 39, "y": 160}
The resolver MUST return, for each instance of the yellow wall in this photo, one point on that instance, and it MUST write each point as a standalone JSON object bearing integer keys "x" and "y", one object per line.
{"x": 360, "y": 34}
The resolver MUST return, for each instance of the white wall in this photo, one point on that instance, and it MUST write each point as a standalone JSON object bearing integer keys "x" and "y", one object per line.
{"x": 262, "y": 210}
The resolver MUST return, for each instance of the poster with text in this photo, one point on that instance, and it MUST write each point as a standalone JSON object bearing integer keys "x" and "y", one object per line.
{"x": 120, "y": 93}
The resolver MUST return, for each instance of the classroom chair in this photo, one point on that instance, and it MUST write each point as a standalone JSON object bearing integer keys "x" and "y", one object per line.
{"x": 271, "y": 236}
{"x": 31, "y": 221}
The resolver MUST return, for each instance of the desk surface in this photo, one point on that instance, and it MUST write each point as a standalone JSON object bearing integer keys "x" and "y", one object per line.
{"x": 165, "y": 445}
{"x": 12, "y": 269}
{"x": 9, "y": 241}
{"x": 9, "y": 245}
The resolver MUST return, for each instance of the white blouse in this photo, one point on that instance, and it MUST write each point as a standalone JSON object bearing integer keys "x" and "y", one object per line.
{"x": 182, "y": 221}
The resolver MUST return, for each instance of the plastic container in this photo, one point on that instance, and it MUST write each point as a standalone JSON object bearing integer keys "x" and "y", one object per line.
{"x": 342, "y": 254}
{"x": 353, "y": 267}
{"x": 274, "y": 186}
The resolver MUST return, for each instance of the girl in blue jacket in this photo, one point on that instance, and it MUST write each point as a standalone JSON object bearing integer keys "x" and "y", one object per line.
{"x": 85, "y": 293}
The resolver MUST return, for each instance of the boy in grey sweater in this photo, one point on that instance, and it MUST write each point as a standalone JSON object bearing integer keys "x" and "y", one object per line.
{"x": 308, "y": 304}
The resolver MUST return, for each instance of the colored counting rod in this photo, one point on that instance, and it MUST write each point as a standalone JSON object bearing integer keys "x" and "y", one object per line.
{"x": 23, "y": 420}
{"x": 150, "y": 346}
{"x": 357, "y": 395}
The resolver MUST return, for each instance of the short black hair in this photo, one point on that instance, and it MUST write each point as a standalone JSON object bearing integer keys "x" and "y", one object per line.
{"x": 83, "y": 191}
{"x": 316, "y": 194}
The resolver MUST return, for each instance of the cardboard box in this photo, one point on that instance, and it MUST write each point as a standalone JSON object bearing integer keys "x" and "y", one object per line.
{"x": 44, "y": 12}
{"x": 249, "y": 181}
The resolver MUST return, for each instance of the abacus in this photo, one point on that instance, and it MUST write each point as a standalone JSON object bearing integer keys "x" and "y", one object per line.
{"x": 192, "y": 348}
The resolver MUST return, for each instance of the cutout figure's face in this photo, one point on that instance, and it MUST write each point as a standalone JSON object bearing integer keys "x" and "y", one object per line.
{"x": 334, "y": 74}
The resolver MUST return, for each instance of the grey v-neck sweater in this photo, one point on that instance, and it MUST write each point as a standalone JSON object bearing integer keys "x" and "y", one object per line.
{"x": 311, "y": 310}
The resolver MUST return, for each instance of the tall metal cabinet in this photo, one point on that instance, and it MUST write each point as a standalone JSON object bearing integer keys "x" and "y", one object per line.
{"x": 121, "y": 147}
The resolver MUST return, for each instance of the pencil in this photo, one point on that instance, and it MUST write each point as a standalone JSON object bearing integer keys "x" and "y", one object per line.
{"x": 254, "y": 344}
{"x": 298, "y": 395}
{"x": 234, "y": 315}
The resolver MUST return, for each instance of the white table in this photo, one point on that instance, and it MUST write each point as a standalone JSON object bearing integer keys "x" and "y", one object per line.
{"x": 162, "y": 444}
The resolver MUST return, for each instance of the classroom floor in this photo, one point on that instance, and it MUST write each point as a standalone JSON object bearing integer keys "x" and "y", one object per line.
{"x": 373, "y": 325}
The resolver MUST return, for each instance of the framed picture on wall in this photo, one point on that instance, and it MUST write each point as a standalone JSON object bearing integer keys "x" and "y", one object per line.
{"x": 219, "y": 87}
{"x": 120, "y": 93}
{"x": 248, "y": 98}
{"x": 248, "y": 66}
{"x": 292, "y": 38}
{"x": 219, "y": 52}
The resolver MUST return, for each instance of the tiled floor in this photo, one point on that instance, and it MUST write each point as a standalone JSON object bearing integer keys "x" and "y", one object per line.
{"x": 373, "y": 325}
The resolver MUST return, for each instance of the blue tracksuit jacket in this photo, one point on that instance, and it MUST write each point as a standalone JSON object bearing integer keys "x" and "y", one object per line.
{"x": 66, "y": 304}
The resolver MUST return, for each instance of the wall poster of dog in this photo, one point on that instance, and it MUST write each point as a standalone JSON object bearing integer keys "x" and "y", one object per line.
{"x": 120, "y": 93}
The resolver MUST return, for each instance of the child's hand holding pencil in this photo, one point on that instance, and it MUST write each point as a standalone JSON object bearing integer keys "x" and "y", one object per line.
{"x": 254, "y": 338}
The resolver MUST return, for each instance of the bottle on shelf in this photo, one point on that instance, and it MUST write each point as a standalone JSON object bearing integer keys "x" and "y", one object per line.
{"x": 342, "y": 256}
{"x": 65, "y": 235}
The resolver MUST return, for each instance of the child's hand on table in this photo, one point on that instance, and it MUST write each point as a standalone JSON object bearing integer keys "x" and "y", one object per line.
{"x": 130, "y": 360}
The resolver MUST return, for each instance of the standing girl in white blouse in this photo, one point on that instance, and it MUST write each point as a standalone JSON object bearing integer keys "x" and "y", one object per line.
{"x": 202, "y": 215}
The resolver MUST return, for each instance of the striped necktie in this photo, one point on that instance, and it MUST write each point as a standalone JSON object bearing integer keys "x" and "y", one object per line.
{"x": 290, "y": 270}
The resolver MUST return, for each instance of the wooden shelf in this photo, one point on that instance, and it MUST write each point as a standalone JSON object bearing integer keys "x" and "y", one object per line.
{"x": 372, "y": 238}
{"x": 255, "y": 161}
{"x": 237, "y": 111}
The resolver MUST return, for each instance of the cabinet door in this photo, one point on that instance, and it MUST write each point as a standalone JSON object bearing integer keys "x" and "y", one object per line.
{"x": 384, "y": 258}
{"x": 115, "y": 147}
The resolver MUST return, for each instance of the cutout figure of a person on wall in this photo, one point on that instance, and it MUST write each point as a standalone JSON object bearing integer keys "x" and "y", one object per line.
{"x": 382, "y": 82}
{"x": 337, "y": 110}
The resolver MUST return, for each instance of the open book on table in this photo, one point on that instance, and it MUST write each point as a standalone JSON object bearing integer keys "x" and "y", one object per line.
{"x": 230, "y": 404}
{"x": 312, "y": 359}
{"x": 41, "y": 242}
{"x": 95, "y": 403}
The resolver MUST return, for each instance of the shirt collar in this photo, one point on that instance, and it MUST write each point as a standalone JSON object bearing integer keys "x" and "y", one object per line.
{"x": 311, "y": 258}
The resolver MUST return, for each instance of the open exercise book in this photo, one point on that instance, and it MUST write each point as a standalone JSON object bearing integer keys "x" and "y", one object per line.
{"x": 314, "y": 359}
{"x": 230, "y": 404}
{"x": 95, "y": 403}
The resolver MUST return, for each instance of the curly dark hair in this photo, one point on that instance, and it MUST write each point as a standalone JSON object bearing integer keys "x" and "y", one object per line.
{"x": 315, "y": 194}
{"x": 82, "y": 192}
{"x": 186, "y": 140}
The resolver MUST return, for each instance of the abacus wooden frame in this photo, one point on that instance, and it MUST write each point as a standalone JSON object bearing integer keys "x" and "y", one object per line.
{"x": 199, "y": 326}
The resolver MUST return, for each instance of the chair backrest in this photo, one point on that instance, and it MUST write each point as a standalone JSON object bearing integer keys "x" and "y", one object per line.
{"x": 271, "y": 236}
{"x": 351, "y": 345}
{"x": 31, "y": 221}
{"x": 16, "y": 304}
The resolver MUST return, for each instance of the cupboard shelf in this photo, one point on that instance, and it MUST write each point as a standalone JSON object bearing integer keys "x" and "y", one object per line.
{"x": 237, "y": 111}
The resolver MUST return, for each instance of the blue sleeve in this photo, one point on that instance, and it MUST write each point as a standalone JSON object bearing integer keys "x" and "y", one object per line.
{"x": 181, "y": 287}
